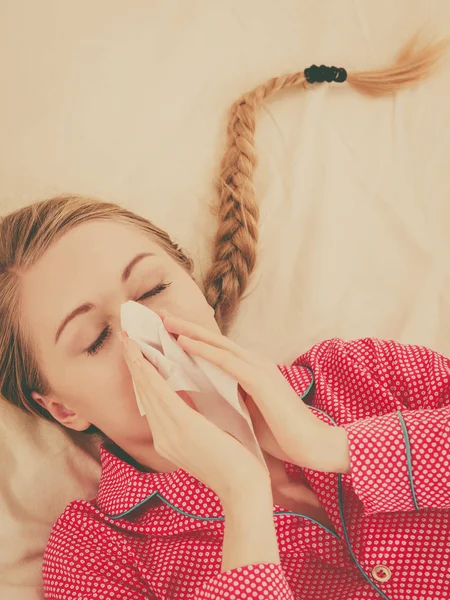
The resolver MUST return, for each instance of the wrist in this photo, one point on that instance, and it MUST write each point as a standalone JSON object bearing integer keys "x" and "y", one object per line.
{"x": 338, "y": 451}
{"x": 323, "y": 448}
{"x": 258, "y": 494}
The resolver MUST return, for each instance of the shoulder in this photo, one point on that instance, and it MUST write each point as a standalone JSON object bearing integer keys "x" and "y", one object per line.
{"x": 338, "y": 349}
{"x": 72, "y": 532}
{"x": 400, "y": 367}
{"x": 370, "y": 351}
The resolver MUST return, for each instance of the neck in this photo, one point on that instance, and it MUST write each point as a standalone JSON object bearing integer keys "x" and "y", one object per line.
{"x": 144, "y": 459}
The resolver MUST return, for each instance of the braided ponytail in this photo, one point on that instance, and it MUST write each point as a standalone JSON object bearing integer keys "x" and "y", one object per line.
{"x": 235, "y": 244}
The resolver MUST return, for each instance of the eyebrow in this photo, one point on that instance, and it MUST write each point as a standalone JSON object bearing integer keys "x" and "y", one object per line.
{"x": 87, "y": 306}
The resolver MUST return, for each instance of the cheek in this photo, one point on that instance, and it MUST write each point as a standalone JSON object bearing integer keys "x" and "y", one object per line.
{"x": 119, "y": 384}
{"x": 188, "y": 302}
{"x": 106, "y": 388}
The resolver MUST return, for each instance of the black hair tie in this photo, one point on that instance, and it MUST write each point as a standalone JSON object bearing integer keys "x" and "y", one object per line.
{"x": 315, "y": 74}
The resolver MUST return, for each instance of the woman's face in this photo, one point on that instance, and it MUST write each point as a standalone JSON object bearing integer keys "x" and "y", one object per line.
{"x": 96, "y": 265}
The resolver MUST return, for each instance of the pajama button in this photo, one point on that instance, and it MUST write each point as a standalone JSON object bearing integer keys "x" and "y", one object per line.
{"x": 381, "y": 573}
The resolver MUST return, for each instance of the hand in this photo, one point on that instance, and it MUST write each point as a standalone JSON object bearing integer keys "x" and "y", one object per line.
{"x": 284, "y": 426}
{"x": 187, "y": 439}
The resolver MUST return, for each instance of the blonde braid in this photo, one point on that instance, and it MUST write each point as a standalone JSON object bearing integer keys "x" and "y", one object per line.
{"x": 235, "y": 243}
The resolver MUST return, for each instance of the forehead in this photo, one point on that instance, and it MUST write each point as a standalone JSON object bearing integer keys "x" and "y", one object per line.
{"x": 89, "y": 246}
{"x": 85, "y": 260}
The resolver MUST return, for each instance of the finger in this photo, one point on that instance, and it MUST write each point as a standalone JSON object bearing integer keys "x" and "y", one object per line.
{"x": 143, "y": 384}
{"x": 132, "y": 352}
{"x": 264, "y": 382}
{"x": 227, "y": 360}
{"x": 152, "y": 388}
{"x": 197, "y": 332}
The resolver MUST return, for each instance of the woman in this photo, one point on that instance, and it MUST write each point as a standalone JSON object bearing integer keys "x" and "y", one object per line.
{"x": 355, "y": 435}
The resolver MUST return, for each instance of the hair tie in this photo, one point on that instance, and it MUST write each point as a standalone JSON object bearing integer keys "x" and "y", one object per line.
{"x": 315, "y": 74}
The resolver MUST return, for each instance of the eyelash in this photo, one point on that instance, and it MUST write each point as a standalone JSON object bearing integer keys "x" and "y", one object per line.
{"x": 97, "y": 345}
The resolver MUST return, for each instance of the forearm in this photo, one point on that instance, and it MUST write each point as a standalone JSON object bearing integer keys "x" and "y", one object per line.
{"x": 250, "y": 536}
{"x": 319, "y": 445}
{"x": 335, "y": 449}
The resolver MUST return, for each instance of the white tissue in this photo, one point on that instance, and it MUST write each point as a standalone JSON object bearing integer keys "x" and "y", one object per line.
{"x": 213, "y": 392}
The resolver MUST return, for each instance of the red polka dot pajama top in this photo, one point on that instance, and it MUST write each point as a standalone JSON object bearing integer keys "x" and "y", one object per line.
{"x": 159, "y": 535}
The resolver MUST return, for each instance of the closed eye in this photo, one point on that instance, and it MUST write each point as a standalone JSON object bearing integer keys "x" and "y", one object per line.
{"x": 102, "y": 338}
{"x": 157, "y": 290}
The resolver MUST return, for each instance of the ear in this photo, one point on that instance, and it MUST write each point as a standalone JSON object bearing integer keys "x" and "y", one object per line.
{"x": 61, "y": 413}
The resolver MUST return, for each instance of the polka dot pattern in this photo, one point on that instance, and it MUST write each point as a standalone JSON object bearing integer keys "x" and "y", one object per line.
{"x": 160, "y": 535}
{"x": 379, "y": 464}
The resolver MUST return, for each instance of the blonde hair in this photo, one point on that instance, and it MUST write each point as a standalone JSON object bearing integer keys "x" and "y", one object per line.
{"x": 235, "y": 243}
{"x": 26, "y": 234}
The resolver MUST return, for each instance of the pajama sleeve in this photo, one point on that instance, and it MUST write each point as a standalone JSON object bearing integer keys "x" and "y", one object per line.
{"x": 400, "y": 447}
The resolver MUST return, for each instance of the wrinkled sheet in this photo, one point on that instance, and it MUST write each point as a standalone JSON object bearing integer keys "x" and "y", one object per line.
{"x": 128, "y": 101}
